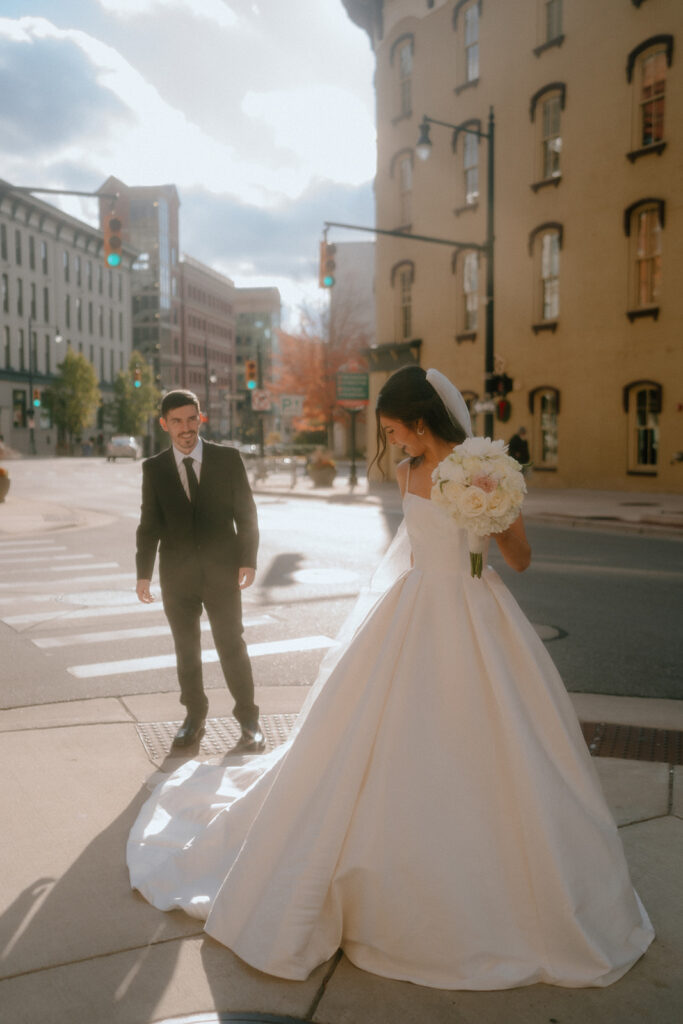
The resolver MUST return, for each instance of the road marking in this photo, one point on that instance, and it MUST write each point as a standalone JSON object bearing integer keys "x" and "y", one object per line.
{"x": 30, "y": 545}
{"x": 72, "y": 579}
{"x": 64, "y": 568}
{"x": 66, "y": 615}
{"x": 42, "y": 558}
{"x": 130, "y": 665}
{"x": 133, "y": 634}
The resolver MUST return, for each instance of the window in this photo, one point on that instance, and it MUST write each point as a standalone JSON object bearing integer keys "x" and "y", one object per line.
{"x": 43, "y": 257}
{"x": 20, "y": 297}
{"x": 46, "y": 304}
{"x": 67, "y": 310}
{"x": 550, "y": 276}
{"x": 3, "y": 241}
{"x": 470, "y": 288}
{"x": 88, "y": 274}
{"x": 111, "y": 324}
{"x": 405, "y": 190}
{"x": 22, "y": 354}
{"x": 544, "y": 403}
{"x": 48, "y": 365}
{"x": 472, "y": 43}
{"x": 545, "y": 110}
{"x": 643, "y": 223}
{"x": 648, "y": 267}
{"x": 643, "y": 403}
{"x": 405, "y": 78}
{"x": 471, "y": 166}
{"x": 31, "y": 252}
{"x": 646, "y": 69}
{"x": 17, "y": 246}
{"x": 77, "y": 264}
{"x": 79, "y": 314}
{"x": 402, "y": 276}
{"x": 8, "y": 349}
{"x": 5, "y": 293}
{"x": 553, "y": 19}
{"x": 33, "y": 309}
{"x": 90, "y": 318}
{"x": 552, "y": 139}
{"x": 100, "y": 320}
{"x": 652, "y": 90}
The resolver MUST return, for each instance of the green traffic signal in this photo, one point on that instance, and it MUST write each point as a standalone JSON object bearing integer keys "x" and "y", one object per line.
{"x": 251, "y": 384}
{"x": 114, "y": 259}
{"x": 328, "y": 281}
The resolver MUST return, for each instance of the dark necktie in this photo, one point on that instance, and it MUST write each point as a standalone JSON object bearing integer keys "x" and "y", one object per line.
{"x": 192, "y": 481}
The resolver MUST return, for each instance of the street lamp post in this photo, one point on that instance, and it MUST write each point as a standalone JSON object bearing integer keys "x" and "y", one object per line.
{"x": 33, "y": 367}
{"x": 210, "y": 377}
{"x": 423, "y": 150}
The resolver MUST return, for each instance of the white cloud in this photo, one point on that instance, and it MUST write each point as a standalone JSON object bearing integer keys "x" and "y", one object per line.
{"x": 212, "y": 10}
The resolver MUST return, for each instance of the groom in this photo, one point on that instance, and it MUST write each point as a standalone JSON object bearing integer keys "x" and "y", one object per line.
{"x": 197, "y": 508}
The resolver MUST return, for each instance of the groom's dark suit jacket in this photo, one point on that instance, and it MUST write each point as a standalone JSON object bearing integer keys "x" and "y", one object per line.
{"x": 218, "y": 534}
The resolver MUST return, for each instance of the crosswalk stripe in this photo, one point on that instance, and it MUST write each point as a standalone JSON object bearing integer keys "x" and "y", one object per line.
{"x": 30, "y": 545}
{"x": 40, "y": 558}
{"x": 62, "y": 615}
{"x": 18, "y": 585}
{"x": 130, "y": 665}
{"x": 63, "y": 568}
{"x": 132, "y": 634}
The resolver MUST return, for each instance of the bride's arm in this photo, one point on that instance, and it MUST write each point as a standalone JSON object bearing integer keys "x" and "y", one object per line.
{"x": 514, "y": 545}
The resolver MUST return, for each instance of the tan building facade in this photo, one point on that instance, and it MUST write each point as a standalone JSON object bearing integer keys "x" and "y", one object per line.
{"x": 587, "y": 101}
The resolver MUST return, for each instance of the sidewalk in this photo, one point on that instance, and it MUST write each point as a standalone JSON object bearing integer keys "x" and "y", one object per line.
{"x": 77, "y": 946}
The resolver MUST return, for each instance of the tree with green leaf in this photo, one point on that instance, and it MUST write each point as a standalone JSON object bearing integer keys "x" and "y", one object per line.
{"x": 136, "y": 397}
{"x": 74, "y": 397}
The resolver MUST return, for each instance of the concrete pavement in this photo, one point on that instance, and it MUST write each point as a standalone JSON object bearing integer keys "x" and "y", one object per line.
{"x": 77, "y": 946}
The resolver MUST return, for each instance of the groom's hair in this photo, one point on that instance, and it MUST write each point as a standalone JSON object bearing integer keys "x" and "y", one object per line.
{"x": 176, "y": 399}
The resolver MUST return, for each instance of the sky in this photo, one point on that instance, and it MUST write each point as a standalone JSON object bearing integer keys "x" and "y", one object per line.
{"x": 261, "y": 112}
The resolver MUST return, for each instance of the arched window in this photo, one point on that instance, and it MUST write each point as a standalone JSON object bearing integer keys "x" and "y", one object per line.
{"x": 544, "y": 405}
{"x": 642, "y": 404}
{"x": 643, "y": 224}
{"x": 545, "y": 111}
{"x": 402, "y": 277}
{"x": 545, "y": 243}
{"x": 466, "y": 15}
{"x": 401, "y": 59}
{"x": 402, "y": 171}
{"x": 647, "y": 69}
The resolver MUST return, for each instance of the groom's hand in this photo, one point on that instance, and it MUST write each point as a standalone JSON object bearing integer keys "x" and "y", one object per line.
{"x": 142, "y": 590}
{"x": 245, "y": 578}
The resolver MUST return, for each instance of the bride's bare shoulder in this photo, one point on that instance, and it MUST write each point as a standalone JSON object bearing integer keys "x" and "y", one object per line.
{"x": 402, "y": 474}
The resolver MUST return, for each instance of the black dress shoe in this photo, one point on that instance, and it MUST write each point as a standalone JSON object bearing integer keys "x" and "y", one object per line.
{"x": 250, "y": 742}
{"x": 191, "y": 730}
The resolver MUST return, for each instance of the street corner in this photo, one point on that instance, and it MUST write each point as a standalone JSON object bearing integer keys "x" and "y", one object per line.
{"x": 21, "y": 517}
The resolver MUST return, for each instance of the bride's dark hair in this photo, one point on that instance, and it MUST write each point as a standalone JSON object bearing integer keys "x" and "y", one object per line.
{"x": 409, "y": 397}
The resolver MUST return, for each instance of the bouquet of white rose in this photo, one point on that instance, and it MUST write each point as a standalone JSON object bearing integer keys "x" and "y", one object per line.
{"x": 482, "y": 489}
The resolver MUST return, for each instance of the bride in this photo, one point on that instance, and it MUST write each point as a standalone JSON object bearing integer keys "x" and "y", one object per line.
{"x": 435, "y": 813}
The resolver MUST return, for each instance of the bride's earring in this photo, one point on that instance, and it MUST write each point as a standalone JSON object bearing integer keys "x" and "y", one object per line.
{"x": 420, "y": 431}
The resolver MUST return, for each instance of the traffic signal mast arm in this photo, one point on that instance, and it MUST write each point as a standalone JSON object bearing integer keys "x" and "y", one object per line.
{"x": 406, "y": 234}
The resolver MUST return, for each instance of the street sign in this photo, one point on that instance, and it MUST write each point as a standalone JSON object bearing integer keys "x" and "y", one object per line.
{"x": 292, "y": 405}
{"x": 352, "y": 385}
{"x": 260, "y": 400}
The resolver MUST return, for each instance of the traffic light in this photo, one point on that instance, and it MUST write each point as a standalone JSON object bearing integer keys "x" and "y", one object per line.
{"x": 327, "y": 265}
{"x": 250, "y": 374}
{"x": 137, "y": 378}
{"x": 499, "y": 384}
{"x": 36, "y": 398}
{"x": 112, "y": 239}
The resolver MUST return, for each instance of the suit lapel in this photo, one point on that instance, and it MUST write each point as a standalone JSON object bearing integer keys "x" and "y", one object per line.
{"x": 172, "y": 483}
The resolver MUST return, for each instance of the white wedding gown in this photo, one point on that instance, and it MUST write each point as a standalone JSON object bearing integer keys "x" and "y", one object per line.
{"x": 436, "y": 812}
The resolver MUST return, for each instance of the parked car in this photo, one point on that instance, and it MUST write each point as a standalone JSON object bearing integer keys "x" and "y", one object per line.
{"x": 120, "y": 446}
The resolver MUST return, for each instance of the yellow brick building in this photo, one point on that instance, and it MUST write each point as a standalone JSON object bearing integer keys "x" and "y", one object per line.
{"x": 587, "y": 100}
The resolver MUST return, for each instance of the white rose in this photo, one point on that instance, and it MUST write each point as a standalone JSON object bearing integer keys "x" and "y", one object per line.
{"x": 499, "y": 504}
{"x": 472, "y": 502}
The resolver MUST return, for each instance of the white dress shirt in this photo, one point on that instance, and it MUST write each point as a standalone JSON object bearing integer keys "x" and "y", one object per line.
{"x": 196, "y": 456}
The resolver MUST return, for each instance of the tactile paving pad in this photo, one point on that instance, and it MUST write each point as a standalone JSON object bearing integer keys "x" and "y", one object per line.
{"x": 220, "y": 735}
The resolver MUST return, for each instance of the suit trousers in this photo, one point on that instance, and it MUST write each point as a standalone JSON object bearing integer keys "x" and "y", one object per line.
{"x": 183, "y": 604}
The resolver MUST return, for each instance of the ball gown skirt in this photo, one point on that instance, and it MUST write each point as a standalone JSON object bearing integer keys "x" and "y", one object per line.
{"x": 435, "y": 813}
